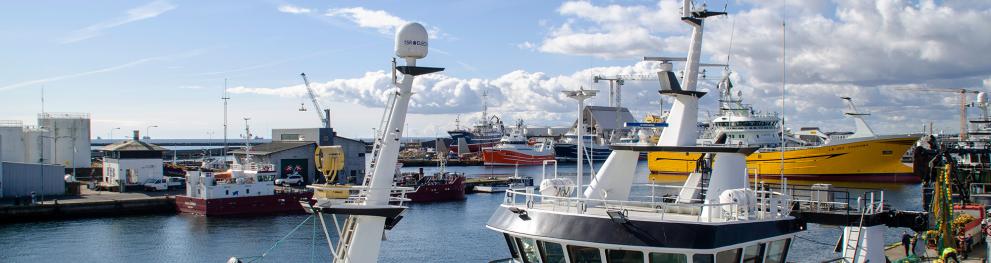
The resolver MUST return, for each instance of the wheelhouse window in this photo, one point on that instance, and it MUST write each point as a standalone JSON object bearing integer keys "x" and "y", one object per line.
{"x": 777, "y": 251}
{"x": 623, "y": 256}
{"x": 702, "y": 258}
{"x": 728, "y": 256}
{"x": 581, "y": 254}
{"x": 670, "y": 258}
{"x": 551, "y": 252}
{"x": 528, "y": 250}
{"x": 512, "y": 246}
{"x": 754, "y": 254}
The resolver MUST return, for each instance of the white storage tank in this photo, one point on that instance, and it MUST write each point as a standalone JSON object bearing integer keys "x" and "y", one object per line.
{"x": 71, "y": 137}
{"x": 11, "y": 141}
{"x": 36, "y": 145}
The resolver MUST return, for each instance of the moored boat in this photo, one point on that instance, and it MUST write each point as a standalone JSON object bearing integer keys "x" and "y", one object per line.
{"x": 247, "y": 188}
{"x": 513, "y": 149}
{"x": 860, "y": 157}
{"x": 438, "y": 187}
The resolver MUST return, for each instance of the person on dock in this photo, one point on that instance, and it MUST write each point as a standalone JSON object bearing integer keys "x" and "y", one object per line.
{"x": 906, "y": 243}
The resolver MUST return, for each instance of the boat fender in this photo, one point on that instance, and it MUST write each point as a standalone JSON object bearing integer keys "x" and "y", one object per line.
{"x": 234, "y": 260}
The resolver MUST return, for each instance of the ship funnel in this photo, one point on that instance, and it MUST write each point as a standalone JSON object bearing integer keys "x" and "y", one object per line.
{"x": 411, "y": 41}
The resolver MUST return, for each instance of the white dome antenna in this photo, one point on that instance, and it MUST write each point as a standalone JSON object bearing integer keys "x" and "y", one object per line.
{"x": 411, "y": 41}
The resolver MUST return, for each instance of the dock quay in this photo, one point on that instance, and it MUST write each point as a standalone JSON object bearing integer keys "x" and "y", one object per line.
{"x": 90, "y": 204}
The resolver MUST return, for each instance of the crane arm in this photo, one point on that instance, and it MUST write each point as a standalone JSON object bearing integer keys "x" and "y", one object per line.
{"x": 325, "y": 120}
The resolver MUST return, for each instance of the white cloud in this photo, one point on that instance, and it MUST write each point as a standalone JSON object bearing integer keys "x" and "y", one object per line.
{"x": 291, "y": 9}
{"x": 534, "y": 96}
{"x": 527, "y": 45}
{"x": 147, "y": 11}
{"x": 612, "y": 31}
{"x": 380, "y": 20}
{"x": 859, "y": 48}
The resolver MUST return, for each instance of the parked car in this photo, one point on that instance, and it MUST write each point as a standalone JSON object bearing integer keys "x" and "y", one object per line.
{"x": 165, "y": 183}
{"x": 290, "y": 180}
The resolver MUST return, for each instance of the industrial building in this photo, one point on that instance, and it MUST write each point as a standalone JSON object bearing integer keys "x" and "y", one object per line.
{"x": 22, "y": 179}
{"x": 290, "y": 157}
{"x": 59, "y": 138}
{"x": 70, "y": 133}
{"x": 132, "y": 162}
{"x": 354, "y": 150}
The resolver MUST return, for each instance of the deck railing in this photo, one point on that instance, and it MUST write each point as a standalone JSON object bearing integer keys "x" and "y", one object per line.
{"x": 358, "y": 194}
{"x": 768, "y": 205}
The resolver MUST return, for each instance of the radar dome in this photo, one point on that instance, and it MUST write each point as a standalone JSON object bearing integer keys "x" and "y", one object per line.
{"x": 982, "y": 98}
{"x": 411, "y": 41}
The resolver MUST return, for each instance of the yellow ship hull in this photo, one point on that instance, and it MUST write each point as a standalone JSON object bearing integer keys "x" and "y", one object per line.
{"x": 868, "y": 160}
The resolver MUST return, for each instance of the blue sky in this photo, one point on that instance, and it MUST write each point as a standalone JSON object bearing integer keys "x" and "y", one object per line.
{"x": 140, "y": 63}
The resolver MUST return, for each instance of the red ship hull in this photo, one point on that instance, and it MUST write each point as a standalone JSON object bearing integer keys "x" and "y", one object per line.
{"x": 507, "y": 157}
{"x": 246, "y": 205}
{"x": 453, "y": 191}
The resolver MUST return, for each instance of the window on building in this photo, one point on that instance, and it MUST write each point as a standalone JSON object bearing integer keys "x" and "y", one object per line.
{"x": 623, "y": 256}
{"x": 528, "y": 250}
{"x": 754, "y": 253}
{"x": 728, "y": 256}
{"x": 289, "y": 137}
{"x": 668, "y": 258}
{"x": 551, "y": 252}
{"x": 581, "y": 254}
{"x": 777, "y": 251}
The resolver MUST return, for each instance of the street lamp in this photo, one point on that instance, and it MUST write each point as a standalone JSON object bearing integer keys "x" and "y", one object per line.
{"x": 112, "y": 134}
{"x": 581, "y": 94}
{"x": 148, "y": 131}
{"x": 41, "y": 159}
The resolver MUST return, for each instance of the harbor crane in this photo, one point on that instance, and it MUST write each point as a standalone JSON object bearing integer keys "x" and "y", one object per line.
{"x": 963, "y": 103}
{"x": 322, "y": 113}
{"x": 616, "y": 81}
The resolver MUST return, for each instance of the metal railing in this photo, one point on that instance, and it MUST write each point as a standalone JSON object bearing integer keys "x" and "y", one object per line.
{"x": 768, "y": 205}
{"x": 356, "y": 193}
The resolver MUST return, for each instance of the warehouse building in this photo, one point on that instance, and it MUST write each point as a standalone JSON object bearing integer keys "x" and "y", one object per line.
{"x": 354, "y": 150}
{"x": 132, "y": 162}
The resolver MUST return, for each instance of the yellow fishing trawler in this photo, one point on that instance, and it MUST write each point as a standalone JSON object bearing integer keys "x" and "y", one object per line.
{"x": 858, "y": 157}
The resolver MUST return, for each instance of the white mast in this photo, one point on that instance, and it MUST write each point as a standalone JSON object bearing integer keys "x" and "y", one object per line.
{"x": 580, "y": 95}
{"x": 225, "y": 98}
{"x": 617, "y": 174}
{"x": 363, "y": 245}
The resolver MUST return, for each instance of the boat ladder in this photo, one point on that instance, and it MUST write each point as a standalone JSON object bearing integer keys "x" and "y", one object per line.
{"x": 347, "y": 238}
{"x": 853, "y": 243}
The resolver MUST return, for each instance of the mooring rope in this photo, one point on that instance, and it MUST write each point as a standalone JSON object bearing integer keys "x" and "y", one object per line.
{"x": 282, "y": 239}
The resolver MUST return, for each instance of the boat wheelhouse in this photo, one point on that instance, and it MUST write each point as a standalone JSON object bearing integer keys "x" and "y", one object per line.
{"x": 651, "y": 225}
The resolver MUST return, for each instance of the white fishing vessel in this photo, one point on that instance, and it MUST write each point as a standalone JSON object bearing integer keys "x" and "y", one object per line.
{"x": 716, "y": 216}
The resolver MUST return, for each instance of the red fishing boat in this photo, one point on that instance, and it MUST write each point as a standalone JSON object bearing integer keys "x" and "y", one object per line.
{"x": 441, "y": 186}
{"x": 513, "y": 149}
{"x": 247, "y": 188}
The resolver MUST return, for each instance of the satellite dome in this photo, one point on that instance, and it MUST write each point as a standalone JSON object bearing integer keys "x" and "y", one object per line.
{"x": 982, "y": 98}
{"x": 411, "y": 41}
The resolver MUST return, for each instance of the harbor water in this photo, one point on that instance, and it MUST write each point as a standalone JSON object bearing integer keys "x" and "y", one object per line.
{"x": 435, "y": 232}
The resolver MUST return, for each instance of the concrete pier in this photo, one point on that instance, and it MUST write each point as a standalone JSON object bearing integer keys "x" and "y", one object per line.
{"x": 90, "y": 204}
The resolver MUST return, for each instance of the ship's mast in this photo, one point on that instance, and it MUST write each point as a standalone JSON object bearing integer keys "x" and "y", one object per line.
{"x": 364, "y": 243}
{"x": 225, "y": 97}
{"x": 485, "y": 108}
{"x": 615, "y": 177}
